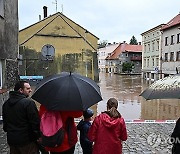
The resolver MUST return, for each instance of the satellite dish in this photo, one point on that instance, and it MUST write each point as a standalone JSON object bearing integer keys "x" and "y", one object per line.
{"x": 48, "y": 52}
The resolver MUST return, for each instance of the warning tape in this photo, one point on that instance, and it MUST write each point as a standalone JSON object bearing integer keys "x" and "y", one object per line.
{"x": 149, "y": 121}
{"x": 142, "y": 121}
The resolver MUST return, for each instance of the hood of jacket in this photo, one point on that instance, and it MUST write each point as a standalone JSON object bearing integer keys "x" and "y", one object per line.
{"x": 108, "y": 121}
{"x": 14, "y": 97}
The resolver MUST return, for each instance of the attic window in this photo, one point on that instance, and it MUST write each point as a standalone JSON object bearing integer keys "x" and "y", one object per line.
{"x": 1, "y": 8}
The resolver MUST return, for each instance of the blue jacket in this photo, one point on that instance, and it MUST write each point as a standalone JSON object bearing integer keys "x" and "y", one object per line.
{"x": 84, "y": 126}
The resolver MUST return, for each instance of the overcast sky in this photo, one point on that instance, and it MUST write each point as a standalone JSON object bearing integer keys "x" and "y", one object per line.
{"x": 111, "y": 20}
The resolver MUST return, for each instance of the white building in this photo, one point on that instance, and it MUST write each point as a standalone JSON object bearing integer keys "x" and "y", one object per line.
{"x": 171, "y": 47}
{"x": 151, "y": 47}
{"x": 103, "y": 53}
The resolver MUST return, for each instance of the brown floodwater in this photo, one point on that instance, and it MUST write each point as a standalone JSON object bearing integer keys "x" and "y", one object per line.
{"x": 126, "y": 90}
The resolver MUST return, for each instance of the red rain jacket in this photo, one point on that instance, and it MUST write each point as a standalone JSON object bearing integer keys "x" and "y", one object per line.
{"x": 64, "y": 115}
{"x": 107, "y": 134}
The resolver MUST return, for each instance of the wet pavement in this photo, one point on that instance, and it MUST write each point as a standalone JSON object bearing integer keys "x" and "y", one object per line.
{"x": 143, "y": 138}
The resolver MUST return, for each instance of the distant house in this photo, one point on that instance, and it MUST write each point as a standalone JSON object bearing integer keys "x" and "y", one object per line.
{"x": 103, "y": 53}
{"x": 171, "y": 47}
{"x": 151, "y": 53}
{"x": 57, "y": 44}
{"x": 8, "y": 46}
{"x": 124, "y": 53}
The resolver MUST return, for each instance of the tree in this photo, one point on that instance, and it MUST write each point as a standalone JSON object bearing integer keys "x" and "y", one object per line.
{"x": 102, "y": 44}
{"x": 133, "y": 41}
{"x": 127, "y": 67}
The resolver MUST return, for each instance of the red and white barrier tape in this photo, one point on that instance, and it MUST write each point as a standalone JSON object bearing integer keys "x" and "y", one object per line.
{"x": 150, "y": 121}
{"x": 142, "y": 121}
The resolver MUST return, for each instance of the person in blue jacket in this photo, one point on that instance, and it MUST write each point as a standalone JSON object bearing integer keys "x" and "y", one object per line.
{"x": 83, "y": 127}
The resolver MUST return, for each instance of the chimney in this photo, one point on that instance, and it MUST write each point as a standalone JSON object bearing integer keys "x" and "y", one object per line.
{"x": 45, "y": 11}
{"x": 39, "y": 17}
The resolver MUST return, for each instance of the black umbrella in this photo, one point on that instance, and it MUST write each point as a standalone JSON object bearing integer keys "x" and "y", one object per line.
{"x": 67, "y": 92}
{"x": 166, "y": 88}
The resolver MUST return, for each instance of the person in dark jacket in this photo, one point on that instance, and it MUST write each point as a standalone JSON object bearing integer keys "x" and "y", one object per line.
{"x": 175, "y": 138}
{"x": 84, "y": 126}
{"x": 21, "y": 120}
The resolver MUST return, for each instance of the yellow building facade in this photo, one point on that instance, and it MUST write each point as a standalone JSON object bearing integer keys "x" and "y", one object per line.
{"x": 74, "y": 48}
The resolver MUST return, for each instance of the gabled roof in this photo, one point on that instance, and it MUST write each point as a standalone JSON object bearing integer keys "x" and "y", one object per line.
{"x": 39, "y": 26}
{"x": 109, "y": 48}
{"x": 124, "y": 47}
{"x": 173, "y": 22}
{"x": 153, "y": 29}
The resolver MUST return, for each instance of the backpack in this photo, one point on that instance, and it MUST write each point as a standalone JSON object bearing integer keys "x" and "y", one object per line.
{"x": 51, "y": 128}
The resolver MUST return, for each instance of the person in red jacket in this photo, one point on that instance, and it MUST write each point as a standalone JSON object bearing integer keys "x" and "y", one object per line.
{"x": 108, "y": 130}
{"x": 70, "y": 138}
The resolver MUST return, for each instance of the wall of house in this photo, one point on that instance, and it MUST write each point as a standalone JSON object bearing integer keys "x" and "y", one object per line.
{"x": 8, "y": 47}
{"x": 151, "y": 45}
{"x": 70, "y": 41}
{"x": 169, "y": 66}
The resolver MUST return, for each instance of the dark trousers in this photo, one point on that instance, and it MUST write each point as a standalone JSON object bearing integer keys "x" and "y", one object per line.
{"x": 30, "y": 148}
{"x": 70, "y": 151}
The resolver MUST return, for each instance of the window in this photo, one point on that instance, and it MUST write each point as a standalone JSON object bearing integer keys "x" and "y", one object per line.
{"x": 153, "y": 61}
{"x": 166, "y": 41}
{"x": 144, "y": 48}
{"x": 172, "y": 39}
{"x": 147, "y": 62}
{"x": 2, "y": 8}
{"x": 144, "y": 62}
{"x": 172, "y": 56}
{"x": 157, "y": 45}
{"x": 166, "y": 57}
{"x": 178, "y": 38}
{"x": 157, "y": 61}
{"x": 148, "y": 47}
{"x": 153, "y": 46}
{"x": 178, "y": 56}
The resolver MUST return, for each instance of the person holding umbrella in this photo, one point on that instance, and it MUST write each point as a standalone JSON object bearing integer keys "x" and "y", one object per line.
{"x": 108, "y": 130}
{"x": 70, "y": 137}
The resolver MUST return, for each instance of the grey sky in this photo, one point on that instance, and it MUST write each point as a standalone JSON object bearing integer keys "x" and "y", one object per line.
{"x": 111, "y": 20}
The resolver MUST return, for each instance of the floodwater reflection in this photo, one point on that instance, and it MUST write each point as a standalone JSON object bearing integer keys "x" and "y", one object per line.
{"x": 126, "y": 90}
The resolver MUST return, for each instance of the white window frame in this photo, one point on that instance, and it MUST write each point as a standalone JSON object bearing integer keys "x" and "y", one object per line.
{"x": 2, "y": 8}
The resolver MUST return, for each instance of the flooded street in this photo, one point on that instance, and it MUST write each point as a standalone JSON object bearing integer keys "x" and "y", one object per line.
{"x": 126, "y": 90}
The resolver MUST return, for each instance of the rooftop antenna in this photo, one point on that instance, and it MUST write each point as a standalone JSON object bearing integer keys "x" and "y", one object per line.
{"x": 62, "y": 8}
{"x": 55, "y": 4}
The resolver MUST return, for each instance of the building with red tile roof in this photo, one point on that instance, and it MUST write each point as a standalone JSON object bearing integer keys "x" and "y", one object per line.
{"x": 170, "y": 53}
{"x": 124, "y": 53}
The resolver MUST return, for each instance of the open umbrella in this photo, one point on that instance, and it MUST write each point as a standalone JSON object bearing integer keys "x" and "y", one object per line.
{"x": 67, "y": 92}
{"x": 166, "y": 88}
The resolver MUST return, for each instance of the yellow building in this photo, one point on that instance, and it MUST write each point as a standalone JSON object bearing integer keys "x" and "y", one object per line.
{"x": 57, "y": 44}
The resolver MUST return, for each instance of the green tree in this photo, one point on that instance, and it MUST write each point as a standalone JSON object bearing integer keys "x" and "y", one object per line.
{"x": 102, "y": 44}
{"x": 133, "y": 41}
{"x": 127, "y": 67}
